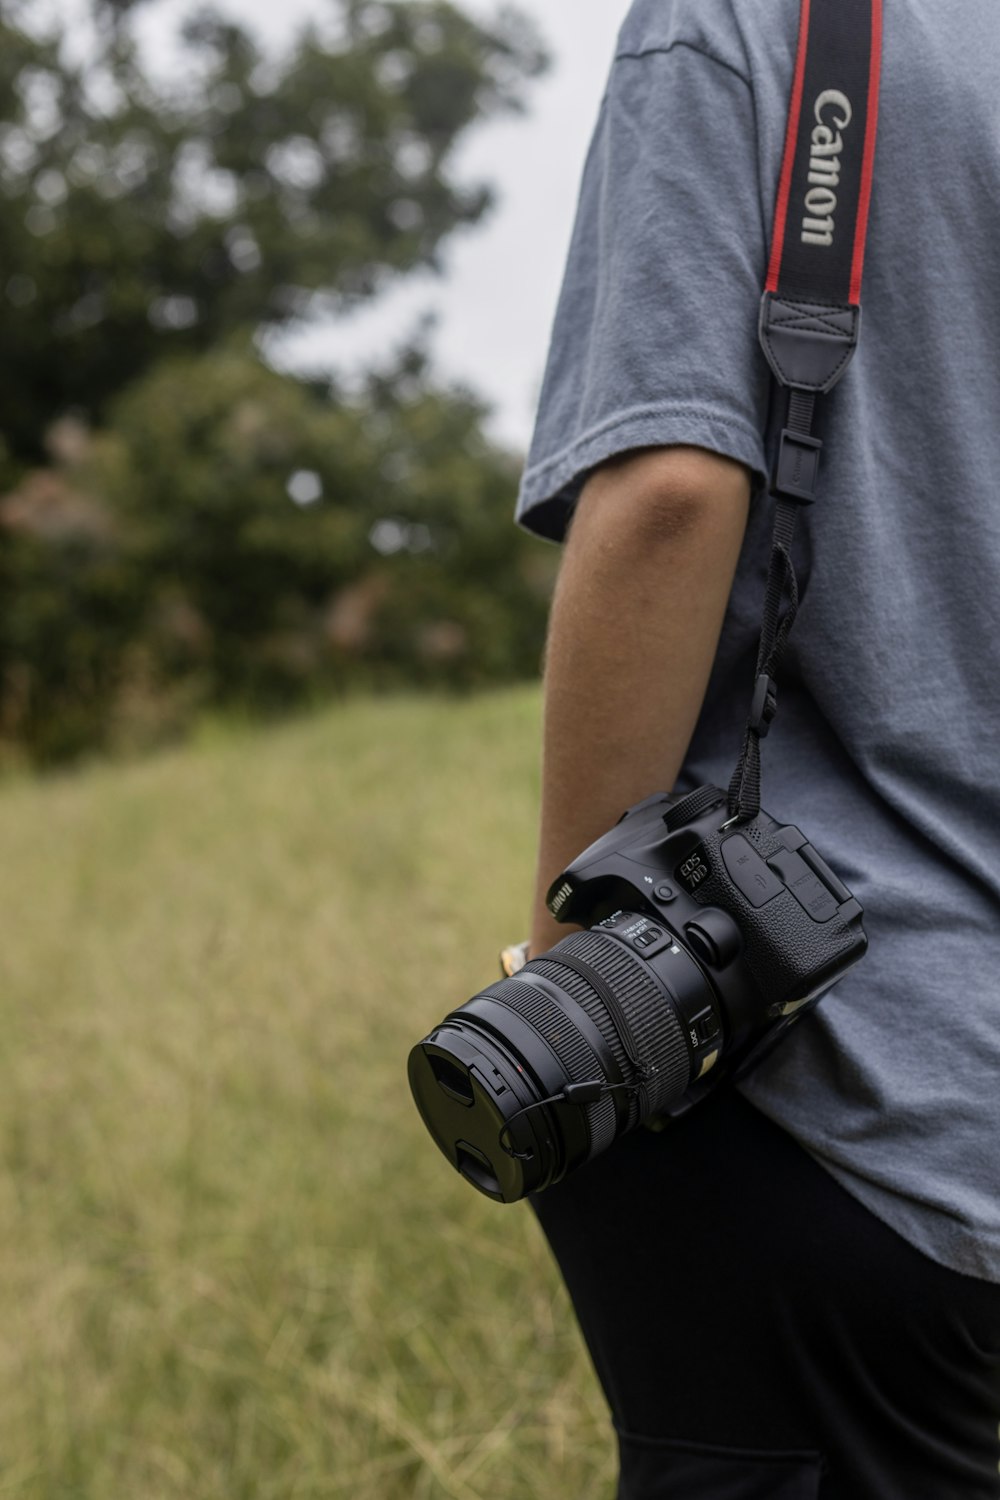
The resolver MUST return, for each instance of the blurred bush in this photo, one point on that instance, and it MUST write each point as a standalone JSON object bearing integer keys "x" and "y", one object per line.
{"x": 180, "y": 525}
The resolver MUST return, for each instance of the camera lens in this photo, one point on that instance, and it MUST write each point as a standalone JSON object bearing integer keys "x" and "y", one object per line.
{"x": 541, "y": 1071}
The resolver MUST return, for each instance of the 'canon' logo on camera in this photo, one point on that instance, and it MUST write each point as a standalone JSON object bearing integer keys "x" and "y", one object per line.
{"x": 559, "y": 898}
{"x": 824, "y": 166}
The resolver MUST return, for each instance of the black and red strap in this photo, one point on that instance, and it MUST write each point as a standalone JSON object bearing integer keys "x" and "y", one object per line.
{"x": 826, "y": 174}
{"x": 810, "y": 315}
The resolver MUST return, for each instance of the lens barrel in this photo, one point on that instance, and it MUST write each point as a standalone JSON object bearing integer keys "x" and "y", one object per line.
{"x": 609, "y": 1007}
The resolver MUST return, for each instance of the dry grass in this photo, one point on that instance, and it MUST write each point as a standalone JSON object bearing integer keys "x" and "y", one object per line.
{"x": 233, "y": 1263}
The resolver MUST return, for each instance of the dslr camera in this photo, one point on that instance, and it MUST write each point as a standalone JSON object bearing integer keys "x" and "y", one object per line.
{"x": 706, "y": 939}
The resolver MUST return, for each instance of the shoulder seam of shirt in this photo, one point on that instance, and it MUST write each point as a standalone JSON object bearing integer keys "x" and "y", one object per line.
{"x": 701, "y": 51}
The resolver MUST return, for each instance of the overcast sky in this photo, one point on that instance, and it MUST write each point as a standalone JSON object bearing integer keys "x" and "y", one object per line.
{"x": 497, "y": 297}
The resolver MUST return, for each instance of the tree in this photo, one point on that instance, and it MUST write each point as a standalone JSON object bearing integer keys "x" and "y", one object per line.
{"x": 181, "y": 526}
{"x": 138, "y": 221}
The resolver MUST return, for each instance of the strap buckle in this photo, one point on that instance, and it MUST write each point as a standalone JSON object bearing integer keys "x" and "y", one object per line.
{"x": 764, "y": 705}
{"x": 797, "y": 470}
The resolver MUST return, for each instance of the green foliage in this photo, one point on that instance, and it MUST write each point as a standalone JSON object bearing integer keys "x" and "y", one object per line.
{"x": 139, "y": 220}
{"x": 181, "y": 526}
{"x": 164, "y": 566}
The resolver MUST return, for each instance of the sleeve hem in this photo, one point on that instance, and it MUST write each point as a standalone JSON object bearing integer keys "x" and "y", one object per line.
{"x": 551, "y": 487}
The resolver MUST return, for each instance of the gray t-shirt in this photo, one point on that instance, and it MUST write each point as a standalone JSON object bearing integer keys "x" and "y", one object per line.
{"x": 886, "y": 748}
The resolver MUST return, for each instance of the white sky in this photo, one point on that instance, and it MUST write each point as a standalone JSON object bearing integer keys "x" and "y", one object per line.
{"x": 495, "y": 302}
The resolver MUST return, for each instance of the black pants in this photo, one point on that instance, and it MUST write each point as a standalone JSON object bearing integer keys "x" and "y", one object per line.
{"x": 759, "y": 1333}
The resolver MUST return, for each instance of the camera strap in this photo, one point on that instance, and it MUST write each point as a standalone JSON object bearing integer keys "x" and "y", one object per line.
{"x": 810, "y": 312}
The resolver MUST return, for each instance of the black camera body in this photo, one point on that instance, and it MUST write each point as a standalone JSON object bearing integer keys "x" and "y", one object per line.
{"x": 770, "y": 924}
{"x": 705, "y": 939}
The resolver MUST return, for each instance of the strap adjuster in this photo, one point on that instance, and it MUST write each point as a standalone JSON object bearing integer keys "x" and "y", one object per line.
{"x": 797, "y": 470}
{"x": 764, "y": 705}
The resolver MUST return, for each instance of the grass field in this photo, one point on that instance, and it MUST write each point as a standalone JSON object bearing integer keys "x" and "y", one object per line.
{"x": 233, "y": 1264}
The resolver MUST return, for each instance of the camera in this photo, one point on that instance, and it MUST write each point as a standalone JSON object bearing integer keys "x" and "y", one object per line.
{"x": 705, "y": 939}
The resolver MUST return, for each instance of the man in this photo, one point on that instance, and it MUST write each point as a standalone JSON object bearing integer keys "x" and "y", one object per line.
{"x": 795, "y": 1291}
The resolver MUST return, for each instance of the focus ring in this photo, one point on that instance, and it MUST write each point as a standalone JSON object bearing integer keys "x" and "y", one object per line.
{"x": 574, "y": 1052}
{"x": 580, "y": 990}
{"x": 586, "y": 997}
{"x": 651, "y": 1014}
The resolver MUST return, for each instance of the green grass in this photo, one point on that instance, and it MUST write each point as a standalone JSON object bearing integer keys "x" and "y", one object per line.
{"x": 233, "y": 1263}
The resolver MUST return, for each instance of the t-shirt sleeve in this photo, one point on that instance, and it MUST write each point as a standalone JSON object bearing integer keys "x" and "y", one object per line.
{"x": 655, "y": 336}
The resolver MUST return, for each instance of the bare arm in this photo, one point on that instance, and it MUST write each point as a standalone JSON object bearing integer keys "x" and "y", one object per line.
{"x": 642, "y": 592}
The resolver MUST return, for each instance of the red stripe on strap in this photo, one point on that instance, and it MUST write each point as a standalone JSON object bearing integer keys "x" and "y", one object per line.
{"x": 868, "y": 162}
{"x": 791, "y": 139}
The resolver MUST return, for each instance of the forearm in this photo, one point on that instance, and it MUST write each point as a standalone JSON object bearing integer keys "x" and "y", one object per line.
{"x": 634, "y": 627}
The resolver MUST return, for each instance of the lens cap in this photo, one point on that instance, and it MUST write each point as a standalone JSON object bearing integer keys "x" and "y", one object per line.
{"x": 466, "y": 1098}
